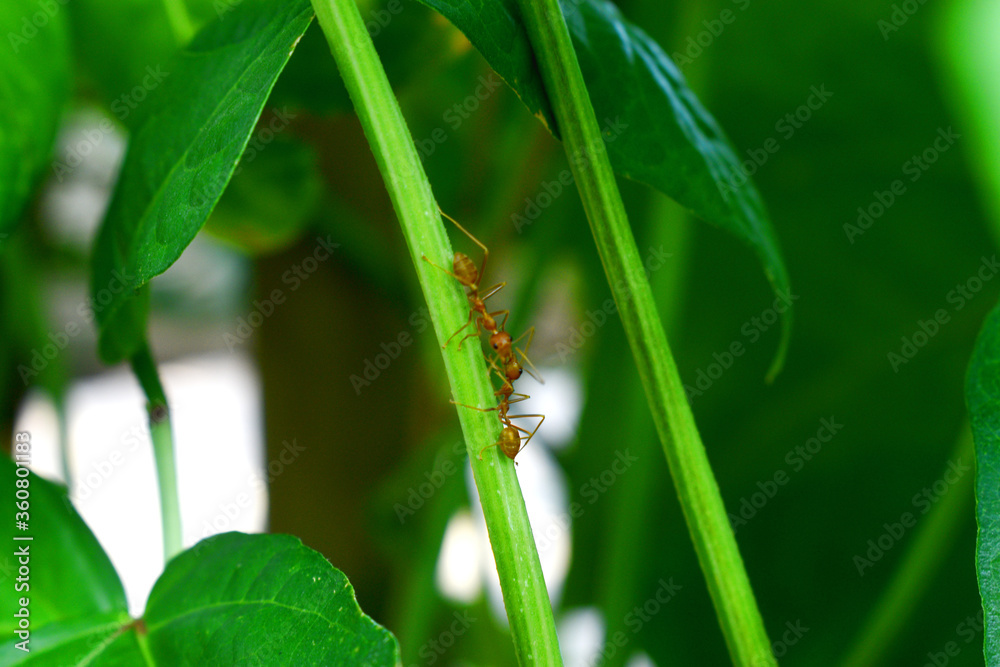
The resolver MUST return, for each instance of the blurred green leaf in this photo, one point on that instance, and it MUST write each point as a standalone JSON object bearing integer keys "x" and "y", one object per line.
{"x": 71, "y": 578}
{"x": 116, "y": 42}
{"x": 189, "y": 134}
{"x": 973, "y": 52}
{"x": 655, "y": 129}
{"x": 34, "y": 85}
{"x": 271, "y": 199}
{"x": 982, "y": 392}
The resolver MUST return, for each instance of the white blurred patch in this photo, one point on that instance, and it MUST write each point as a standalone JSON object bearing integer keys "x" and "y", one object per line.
{"x": 88, "y": 152}
{"x": 560, "y": 399}
{"x": 216, "y": 417}
{"x": 544, "y": 490}
{"x": 37, "y": 415}
{"x": 458, "y": 566}
{"x": 581, "y": 635}
{"x": 640, "y": 659}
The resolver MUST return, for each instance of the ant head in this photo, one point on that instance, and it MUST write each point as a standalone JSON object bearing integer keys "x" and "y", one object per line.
{"x": 500, "y": 342}
{"x": 513, "y": 370}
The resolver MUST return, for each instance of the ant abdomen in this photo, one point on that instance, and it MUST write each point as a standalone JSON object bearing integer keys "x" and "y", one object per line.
{"x": 465, "y": 270}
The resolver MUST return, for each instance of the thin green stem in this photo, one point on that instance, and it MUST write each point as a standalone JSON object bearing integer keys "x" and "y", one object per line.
{"x": 525, "y": 596}
{"x": 163, "y": 450}
{"x": 923, "y": 558}
{"x": 703, "y": 508}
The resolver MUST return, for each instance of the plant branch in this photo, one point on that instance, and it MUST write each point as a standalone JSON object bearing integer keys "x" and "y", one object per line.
{"x": 525, "y": 596}
{"x": 163, "y": 450}
{"x": 703, "y": 508}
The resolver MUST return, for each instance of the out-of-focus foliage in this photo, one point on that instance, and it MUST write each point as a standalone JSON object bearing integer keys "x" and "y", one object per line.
{"x": 872, "y": 198}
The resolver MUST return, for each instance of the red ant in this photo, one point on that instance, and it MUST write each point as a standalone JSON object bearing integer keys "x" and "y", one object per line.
{"x": 465, "y": 272}
{"x": 505, "y": 348}
{"x": 510, "y": 439}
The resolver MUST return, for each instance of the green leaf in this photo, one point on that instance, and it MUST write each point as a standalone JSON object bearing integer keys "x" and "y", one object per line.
{"x": 267, "y": 596}
{"x": 189, "y": 134}
{"x": 272, "y": 198}
{"x": 655, "y": 129}
{"x": 70, "y": 575}
{"x": 34, "y": 85}
{"x": 982, "y": 393}
{"x": 233, "y": 599}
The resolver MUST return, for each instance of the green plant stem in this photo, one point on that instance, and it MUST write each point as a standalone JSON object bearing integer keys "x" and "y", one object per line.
{"x": 933, "y": 541}
{"x": 525, "y": 596}
{"x": 703, "y": 508}
{"x": 670, "y": 227}
{"x": 163, "y": 450}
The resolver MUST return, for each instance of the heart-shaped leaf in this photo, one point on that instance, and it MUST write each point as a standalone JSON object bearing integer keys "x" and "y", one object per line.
{"x": 233, "y": 599}
{"x": 70, "y": 578}
{"x": 190, "y": 132}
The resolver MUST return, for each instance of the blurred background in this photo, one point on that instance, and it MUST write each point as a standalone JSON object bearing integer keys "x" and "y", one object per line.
{"x": 323, "y": 412}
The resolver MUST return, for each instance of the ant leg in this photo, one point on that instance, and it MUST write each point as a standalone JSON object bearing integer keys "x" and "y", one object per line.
{"x": 530, "y": 333}
{"x": 486, "y": 252}
{"x": 467, "y": 323}
{"x": 474, "y": 334}
{"x": 505, "y": 313}
{"x": 524, "y": 430}
{"x": 532, "y": 371}
{"x": 472, "y": 407}
{"x": 493, "y": 290}
{"x": 424, "y": 257}
{"x": 495, "y": 444}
